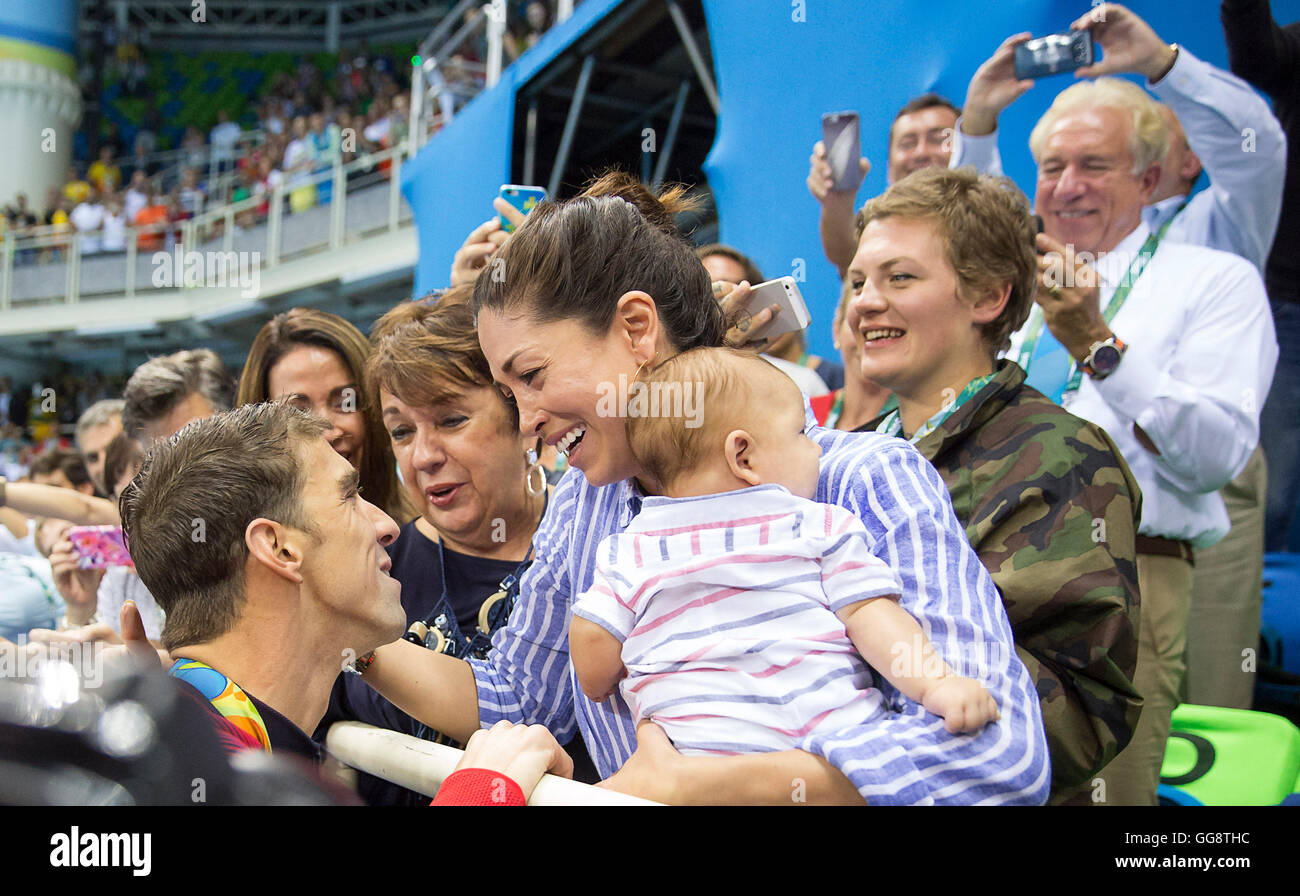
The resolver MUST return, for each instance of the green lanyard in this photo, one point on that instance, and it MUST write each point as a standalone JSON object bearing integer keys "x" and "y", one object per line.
{"x": 893, "y": 424}
{"x": 1135, "y": 269}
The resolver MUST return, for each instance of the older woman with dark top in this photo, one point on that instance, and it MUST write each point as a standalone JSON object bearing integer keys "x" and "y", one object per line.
{"x": 480, "y": 497}
{"x": 599, "y": 287}
{"x": 945, "y": 271}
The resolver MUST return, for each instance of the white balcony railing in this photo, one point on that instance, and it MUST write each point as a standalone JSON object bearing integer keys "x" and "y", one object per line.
{"x": 303, "y": 214}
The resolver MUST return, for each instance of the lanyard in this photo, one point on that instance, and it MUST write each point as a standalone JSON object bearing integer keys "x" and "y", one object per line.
{"x": 1135, "y": 269}
{"x": 893, "y": 423}
{"x": 226, "y": 697}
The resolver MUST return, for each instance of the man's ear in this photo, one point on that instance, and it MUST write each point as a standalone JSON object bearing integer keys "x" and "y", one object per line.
{"x": 1191, "y": 169}
{"x": 988, "y": 308}
{"x": 276, "y": 547}
{"x": 1149, "y": 181}
{"x": 637, "y": 320}
{"x": 739, "y": 449}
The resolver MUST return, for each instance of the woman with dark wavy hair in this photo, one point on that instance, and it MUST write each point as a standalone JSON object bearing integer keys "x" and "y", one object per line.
{"x": 316, "y": 361}
{"x": 596, "y": 289}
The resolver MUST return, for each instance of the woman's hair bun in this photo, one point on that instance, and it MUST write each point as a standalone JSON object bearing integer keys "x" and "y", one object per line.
{"x": 661, "y": 210}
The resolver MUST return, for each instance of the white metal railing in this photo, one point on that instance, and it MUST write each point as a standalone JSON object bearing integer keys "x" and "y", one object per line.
{"x": 171, "y": 164}
{"x": 50, "y": 265}
{"x": 439, "y": 87}
{"x": 422, "y": 766}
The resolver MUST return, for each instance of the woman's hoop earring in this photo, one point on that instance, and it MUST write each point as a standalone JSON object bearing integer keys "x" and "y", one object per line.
{"x": 637, "y": 376}
{"x": 536, "y": 490}
{"x": 534, "y": 456}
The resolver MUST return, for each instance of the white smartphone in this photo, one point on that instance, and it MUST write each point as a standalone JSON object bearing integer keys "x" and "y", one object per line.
{"x": 782, "y": 291}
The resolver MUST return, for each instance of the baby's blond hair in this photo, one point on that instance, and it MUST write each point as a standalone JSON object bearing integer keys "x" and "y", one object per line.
{"x": 732, "y": 388}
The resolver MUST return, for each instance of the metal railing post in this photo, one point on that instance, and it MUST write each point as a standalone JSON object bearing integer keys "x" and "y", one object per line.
{"x": 228, "y": 229}
{"x": 131, "y": 251}
{"x": 273, "y": 224}
{"x": 496, "y": 31}
{"x": 337, "y": 198}
{"x": 7, "y": 276}
{"x": 73, "y": 282}
{"x": 415, "y": 127}
{"x": 395, "y": 191}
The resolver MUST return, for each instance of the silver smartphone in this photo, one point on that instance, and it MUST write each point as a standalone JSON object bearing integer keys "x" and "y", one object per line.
{"x": 782, "y": 291}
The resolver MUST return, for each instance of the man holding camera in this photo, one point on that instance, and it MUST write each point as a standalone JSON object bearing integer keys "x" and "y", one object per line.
{"x": 1168, "y": 347}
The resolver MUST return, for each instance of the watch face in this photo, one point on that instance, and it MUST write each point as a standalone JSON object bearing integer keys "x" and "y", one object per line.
{"x": 1105, "y": 359}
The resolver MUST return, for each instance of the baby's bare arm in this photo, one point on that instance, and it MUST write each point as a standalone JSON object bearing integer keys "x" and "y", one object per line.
{"x": 893, "y": 643}
{"x": 597, "y": 658}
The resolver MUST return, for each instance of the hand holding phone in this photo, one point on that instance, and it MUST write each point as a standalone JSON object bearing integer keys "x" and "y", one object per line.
{"x": 522, "y": 198}
{"x": 1053, "y": 54}
{"x": 782, "y": 292}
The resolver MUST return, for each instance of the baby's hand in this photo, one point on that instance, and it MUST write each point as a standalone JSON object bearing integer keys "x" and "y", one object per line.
{"x": 963, "y": 703}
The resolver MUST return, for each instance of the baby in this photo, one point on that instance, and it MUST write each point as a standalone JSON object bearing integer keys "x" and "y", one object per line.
{"x": 734, "y": 611}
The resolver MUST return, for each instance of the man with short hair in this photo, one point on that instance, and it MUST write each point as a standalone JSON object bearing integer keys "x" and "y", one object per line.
{"x": 95, "y": 429}
{"x": 166, "y": 393}
{"x": 288, "y": 583}
{"x": 919, "y": 137}
{"x": 1132, "y": 334}
{"x": 286, "y": 579}
{"x": 1231, "y": 130}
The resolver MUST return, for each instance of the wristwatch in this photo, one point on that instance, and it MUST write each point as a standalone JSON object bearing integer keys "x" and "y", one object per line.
{"x": 1103, "y": 358}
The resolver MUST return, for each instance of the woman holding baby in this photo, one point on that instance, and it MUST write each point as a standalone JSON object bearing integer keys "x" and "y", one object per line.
{"x": 601, "y": 286}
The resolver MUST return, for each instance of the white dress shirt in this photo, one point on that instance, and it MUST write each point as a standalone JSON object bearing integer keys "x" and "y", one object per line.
{"x": 1239, "y": 142}
{"x": 1200, "y": 358}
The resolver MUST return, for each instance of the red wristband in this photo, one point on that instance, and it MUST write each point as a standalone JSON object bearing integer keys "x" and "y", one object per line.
{"x": 478, "y": 787}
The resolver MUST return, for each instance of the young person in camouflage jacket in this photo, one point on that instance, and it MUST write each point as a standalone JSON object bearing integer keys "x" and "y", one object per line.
{"x": 945, "y": 271}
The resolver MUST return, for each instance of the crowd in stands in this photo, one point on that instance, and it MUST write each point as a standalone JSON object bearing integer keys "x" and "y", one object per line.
{"x": 305, "y": 122}
{"x": 1022, "y": 495}
{"x": 301, "y": 124}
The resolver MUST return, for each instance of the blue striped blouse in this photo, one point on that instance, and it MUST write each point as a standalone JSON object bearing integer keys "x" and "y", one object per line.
{"x": 909, "y": 759}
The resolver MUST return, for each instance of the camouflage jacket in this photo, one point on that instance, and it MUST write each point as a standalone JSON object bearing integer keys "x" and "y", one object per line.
{"x": 1052, "y": 510}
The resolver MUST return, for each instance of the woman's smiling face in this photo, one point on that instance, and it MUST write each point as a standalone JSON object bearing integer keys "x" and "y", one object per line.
{"x": 557, "y": 373}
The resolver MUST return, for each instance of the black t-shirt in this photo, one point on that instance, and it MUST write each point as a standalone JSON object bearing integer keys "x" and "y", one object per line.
{"x": 470, "y": 580}
{"x": 417, "y": 564}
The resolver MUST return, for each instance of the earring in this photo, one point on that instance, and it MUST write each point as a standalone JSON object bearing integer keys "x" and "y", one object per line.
{"x": 637, "y": 376}
{"x": 535, "y": 468}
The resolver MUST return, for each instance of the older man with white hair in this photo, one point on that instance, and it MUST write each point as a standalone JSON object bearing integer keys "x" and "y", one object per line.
{"x": 1219, "y": 125}
{"x": 1168, "y": 347}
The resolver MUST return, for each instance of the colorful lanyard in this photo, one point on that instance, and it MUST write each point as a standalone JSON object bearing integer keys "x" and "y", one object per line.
{"x": 893, "y": 424}
{"x": 227, "y": 698}
{"x": 1135, "y": 269}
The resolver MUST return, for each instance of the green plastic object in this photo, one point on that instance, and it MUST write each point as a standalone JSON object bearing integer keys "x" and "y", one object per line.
{"x": 1232, "y": 757}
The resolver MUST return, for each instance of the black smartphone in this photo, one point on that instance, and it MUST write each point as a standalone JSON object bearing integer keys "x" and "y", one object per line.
{"x": 1053, "y": 54}
{"x": 842, "y": 137}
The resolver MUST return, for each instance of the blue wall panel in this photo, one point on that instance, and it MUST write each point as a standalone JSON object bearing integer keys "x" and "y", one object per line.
{"x": 776, "y": 76}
